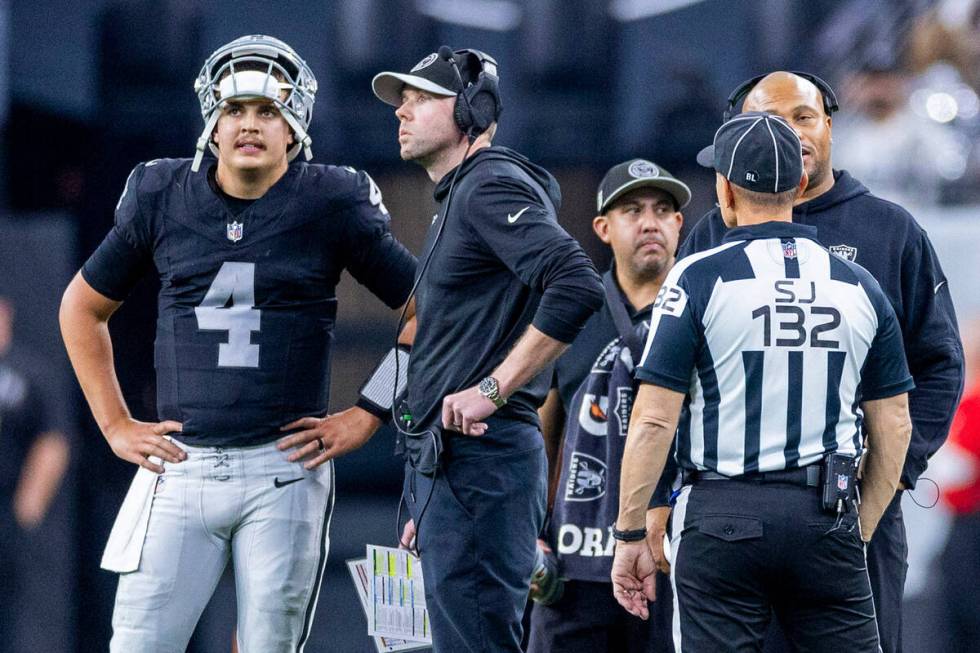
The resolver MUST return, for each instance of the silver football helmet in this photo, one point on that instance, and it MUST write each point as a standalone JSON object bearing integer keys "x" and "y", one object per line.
{"x": 256, "y": 66}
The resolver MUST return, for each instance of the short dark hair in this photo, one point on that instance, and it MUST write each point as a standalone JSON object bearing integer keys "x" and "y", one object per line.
{"x": 768, "y": 200}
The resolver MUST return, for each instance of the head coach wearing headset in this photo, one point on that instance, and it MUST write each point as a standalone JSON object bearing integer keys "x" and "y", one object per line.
{"x": 884, "y": 239}
{"x": 501, "y": 292}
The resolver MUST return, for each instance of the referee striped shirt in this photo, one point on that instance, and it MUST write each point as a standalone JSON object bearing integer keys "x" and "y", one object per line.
{"x": 775, "y": 341}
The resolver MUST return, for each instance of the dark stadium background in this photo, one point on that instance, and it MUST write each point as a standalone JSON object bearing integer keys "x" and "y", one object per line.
{"x": 90, "y": 88}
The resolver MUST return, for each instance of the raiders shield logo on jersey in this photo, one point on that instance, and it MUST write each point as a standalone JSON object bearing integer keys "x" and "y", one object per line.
{"x": 844, "y": 251}
{"x": 235, "y": 230}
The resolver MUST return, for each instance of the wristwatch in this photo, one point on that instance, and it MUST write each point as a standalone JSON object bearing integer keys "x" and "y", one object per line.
{"x": 491, "y": 390}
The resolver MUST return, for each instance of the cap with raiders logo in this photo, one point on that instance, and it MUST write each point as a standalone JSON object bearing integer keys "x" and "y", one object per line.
{"x": 638, "y": 173}
{"x": 756, "y": 151}
{"x": 433, "y": 74}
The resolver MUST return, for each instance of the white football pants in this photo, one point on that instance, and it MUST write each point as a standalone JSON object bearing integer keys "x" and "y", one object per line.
{"x": 270, "y": 516}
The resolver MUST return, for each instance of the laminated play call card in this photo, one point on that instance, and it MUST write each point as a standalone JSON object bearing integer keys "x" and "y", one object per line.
{"x": 359, "y": 574}
{"x": 396, "y": 595}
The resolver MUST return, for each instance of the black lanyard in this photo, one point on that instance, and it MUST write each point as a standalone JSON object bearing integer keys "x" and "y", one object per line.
{"x": 620, "y": 316}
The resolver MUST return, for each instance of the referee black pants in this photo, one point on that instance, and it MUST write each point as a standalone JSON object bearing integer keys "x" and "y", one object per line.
{"x": 746, "y": 550}
{"x": 887, "y": 554}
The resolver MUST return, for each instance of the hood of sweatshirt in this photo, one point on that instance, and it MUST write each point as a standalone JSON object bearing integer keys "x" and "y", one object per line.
{"x": 497, "y": 153}
{"x": 845, "y": 187}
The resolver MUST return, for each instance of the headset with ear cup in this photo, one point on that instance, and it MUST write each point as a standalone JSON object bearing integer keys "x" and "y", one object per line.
{"x": 829, "y": 97}
{"x": 478, "y": 104}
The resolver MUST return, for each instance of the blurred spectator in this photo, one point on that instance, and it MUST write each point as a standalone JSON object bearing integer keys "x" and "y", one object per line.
{"x": 899, "y": 155}
{"x": 961, "y": 493}
{"x": 862, "y": 31}
{"x": 944, "y": 53}
{"x": 34, "y": 460}
{"x": 949, "y": 32}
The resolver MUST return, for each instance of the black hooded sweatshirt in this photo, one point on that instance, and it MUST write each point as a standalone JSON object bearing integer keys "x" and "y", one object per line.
{"x": 499, "y": 263}
{"x": 884, "y": 239}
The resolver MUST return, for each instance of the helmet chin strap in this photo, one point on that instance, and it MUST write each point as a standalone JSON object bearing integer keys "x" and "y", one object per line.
{"x": 205, "y": 138}
{"x": 303, "y": 139}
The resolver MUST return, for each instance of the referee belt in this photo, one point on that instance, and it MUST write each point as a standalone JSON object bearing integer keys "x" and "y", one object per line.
{"x": 808, "y": 476}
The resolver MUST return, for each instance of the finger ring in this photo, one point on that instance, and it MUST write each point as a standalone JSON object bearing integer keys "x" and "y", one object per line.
{"x": 320, "y": 445}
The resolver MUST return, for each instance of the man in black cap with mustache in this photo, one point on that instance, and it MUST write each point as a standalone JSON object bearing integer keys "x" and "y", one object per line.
{"x": 585, "y": 417}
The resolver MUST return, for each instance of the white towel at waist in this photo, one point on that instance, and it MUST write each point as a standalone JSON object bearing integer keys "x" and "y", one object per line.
{"x": 125, "y": 545}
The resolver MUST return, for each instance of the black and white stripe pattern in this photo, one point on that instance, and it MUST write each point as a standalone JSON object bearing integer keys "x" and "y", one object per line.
{"x": 768, "y": 337}
{"x": 768, "y": 122}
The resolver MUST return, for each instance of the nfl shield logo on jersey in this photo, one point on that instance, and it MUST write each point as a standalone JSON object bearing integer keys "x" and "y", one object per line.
{"x": 235, "y": 231}
{"x": 789, "y": 249}
{"x": 844, "y": 251}
{"x": 842, "y": 482}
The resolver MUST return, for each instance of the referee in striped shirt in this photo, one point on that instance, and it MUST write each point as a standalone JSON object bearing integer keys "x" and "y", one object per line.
{"x": 769, "y": 357}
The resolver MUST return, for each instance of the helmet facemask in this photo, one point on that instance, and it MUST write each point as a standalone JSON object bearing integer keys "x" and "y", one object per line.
{"x": 253, "y": 67}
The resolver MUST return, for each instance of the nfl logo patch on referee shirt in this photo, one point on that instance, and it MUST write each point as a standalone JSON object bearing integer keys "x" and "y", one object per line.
{"x": 789, "y": 249}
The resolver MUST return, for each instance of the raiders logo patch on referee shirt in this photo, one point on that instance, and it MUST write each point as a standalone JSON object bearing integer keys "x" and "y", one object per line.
{"x": 844, "y": 251}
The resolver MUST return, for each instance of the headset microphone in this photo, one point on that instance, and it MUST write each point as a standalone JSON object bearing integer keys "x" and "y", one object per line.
{"x": 446, "y": 53}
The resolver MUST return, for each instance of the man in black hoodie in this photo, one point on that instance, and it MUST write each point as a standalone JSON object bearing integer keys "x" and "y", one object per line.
{"x": 501, "y": 292}
{"x": 884, "y": 239}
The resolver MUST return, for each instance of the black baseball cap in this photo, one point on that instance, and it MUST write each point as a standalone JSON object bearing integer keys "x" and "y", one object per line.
{"x": 433, "y": 74}
{"x": 757, "y": 151}
{"x": 637, "y": 173}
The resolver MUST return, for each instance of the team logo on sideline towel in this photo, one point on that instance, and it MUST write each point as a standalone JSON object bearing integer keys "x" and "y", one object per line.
{"x": 586, "y": 478}
{"x": 623, "y": 409}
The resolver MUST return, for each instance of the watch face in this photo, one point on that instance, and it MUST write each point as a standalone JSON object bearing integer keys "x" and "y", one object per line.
{"x": 488, "y": 386}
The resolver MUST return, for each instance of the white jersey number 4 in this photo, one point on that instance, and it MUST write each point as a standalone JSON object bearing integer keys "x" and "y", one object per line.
{"x": 229, "y": 305}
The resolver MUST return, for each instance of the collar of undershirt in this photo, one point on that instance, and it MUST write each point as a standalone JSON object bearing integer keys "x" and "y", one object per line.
{"x": 775, "y": 229}
{"x": 634, "y": 314}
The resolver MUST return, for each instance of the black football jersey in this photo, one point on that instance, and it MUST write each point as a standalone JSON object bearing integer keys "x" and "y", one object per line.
{"x": 247, "y": 301}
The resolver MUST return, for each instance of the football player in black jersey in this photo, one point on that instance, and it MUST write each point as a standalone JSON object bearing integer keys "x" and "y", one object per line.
{"x": 248, "y": 249}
